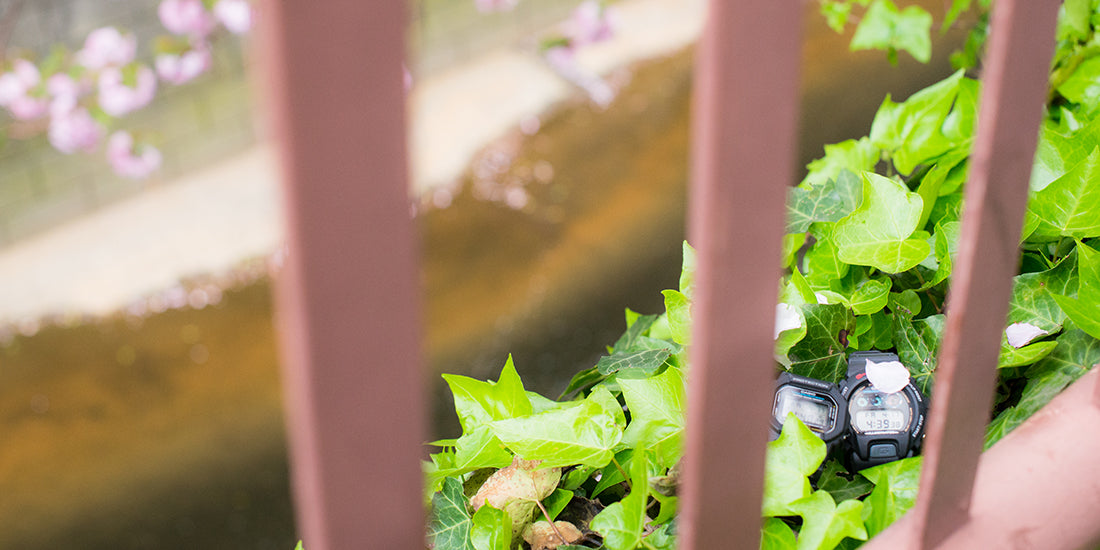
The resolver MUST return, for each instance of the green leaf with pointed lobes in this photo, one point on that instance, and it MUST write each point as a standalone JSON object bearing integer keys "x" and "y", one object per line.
{"x": 1070, "y": 205}
{"x": 877, "y": 234}
{"x": 584, "y": 433}
{"x": 478, "y": 403}
{"x": 791, "y": 458}
{"x": 1084, "y": 310}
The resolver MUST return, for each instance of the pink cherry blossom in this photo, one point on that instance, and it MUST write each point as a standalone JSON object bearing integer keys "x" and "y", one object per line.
{"x": 107, "y": 47}
{"x": 787, "y": 317}
{"x": 1021, "y": 334}
{"x": 177, "y": 69}
{"x": 130, "y": 161}
{"x": 16, "y": 83}
{"x": 186, "y": 17}
{"x": 117, "y": 99}
{"x": 236, "y": 15}
{"x": 887, "y": 376}
{"x": 63, "y": 85}
{"x": 28, "y": 107}
{"x": 74, "y": 130}
{"x": 591, "y": 22}
{"x": 486, "y": 6}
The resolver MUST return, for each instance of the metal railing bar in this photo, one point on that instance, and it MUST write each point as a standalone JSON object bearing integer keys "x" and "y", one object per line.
{"x": 1014, "y": 91}
{"x": 744, "y": 124}
{"x": 1036, "y": 488}
{"x": 347, "y": 299}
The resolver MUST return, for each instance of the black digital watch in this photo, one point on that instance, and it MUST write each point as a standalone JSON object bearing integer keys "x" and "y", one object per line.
{"x": 818, "y": 404}
{"x": 883, "y": 427}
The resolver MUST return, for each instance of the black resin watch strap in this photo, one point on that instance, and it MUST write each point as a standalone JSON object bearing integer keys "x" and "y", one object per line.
{"x": 857, "y": 362}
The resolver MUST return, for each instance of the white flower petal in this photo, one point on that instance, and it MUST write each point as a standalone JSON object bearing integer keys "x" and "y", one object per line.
{"x": 786, "y": 318}
{"x": 1020, "y": 334}
{"x": 888, "y": 376}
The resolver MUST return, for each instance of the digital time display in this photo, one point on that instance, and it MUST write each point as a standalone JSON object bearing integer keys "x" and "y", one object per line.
{"x": 877, "y": 421}
{"x": 814, "y": 410}
{"x": 872, "y": 410}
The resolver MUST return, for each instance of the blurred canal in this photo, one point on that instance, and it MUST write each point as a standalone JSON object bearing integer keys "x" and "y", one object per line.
{"x": 165, "y": 431}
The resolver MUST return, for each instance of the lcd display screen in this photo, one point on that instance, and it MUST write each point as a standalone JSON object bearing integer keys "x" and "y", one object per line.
{"x": 816, "y": 411}
{"x": 874, "y": 411}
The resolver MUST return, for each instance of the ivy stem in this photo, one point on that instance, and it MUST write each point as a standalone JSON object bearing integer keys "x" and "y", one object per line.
{"x": 626, "y": 478}
{"x": 550, "y": 521}
{"x": 1062, "y": 249}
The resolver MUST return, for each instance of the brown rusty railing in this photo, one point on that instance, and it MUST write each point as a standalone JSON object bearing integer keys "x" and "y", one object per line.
{"x": 349, "y": 309}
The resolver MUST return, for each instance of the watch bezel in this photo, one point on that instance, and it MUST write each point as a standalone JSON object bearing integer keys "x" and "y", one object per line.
{"x": 906, "y": 442}
{"x": 834, "y": 435}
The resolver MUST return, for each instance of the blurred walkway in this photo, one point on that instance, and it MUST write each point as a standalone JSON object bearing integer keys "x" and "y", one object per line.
{"x": 218, "y": 215}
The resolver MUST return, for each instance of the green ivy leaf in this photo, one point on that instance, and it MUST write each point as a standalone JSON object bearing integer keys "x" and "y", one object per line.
{"x": 850, "y": 155}
{"x": 918, "y": 343}
{"x": 644, "y": 361}
{"x": 1068, "y": 206}
{"x": 958, "y": 7}
{"x": 678, "y": 307}
{"x": 777, "y": 535}
{"x": 824, "y": 524}
{"x": 622, "y": 523}
{"x": 669, "y": 506}
{"x": 912, "y": 131}
{"x": 1076, "y": 354}
{"x": 1060, "y": 149}
{"x": 905, "y": 303}
{"x": 657, "y": 415}
{"x": 959, "y": 125}
{"x": 556, "y": 502}
{"x": 870, "y": 296}
{"x": 827, "y": 202}
{"x": 835, "y": 479}
{"x": 1084, "y": 309}
{"x": 823, "y": 266}
{"x": 635, "y": 330}
{"x": 612, "y": 474}
{"x": 790, "y": 459}
{"x": 478, "y": 403}
{"x": 821, "y": 354}
{"x": 661, "y": 539}
{"x": 945, "y": 248}
{"x": 1073, "y": 23}
{"x": 1018, "y": 357}
{"x": 475, "y": 450}
{"x": 883, "y": 27}
{"x": 449, "y": 523}
{"x": 583, "y": 433}
{"x": 877, "y": 233}
{"x": 687, "y": 271}
{"x": 836, "y": 14}
{"x": 895, "y": 492}
{"x": 491, "y": 529}
{"x": 877, "y": 331}
{"x": 1033, "y": 295}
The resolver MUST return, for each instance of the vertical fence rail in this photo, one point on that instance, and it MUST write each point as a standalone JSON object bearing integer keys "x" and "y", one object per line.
{"x": 347, "y": 300}
{"x": 744, "y": 124}
{"x": 1013, "y": 94}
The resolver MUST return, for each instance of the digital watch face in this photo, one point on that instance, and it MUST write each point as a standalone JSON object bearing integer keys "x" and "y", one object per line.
{"x": 816, "y": 410}
{"x": 873, "y": 411}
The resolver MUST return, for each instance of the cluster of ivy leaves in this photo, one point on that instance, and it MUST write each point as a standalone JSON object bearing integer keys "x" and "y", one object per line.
{"x": 871, "y": 236}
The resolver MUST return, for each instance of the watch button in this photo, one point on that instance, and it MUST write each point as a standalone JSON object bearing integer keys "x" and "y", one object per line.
{"x": 883, "y": 450}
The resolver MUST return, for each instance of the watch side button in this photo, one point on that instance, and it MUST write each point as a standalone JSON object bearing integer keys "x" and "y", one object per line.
{"x": 883, "y": 450}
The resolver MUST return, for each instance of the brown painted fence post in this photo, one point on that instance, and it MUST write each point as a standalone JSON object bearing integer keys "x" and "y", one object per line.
{"x": 347, "y": 299}
{"x": 1014, "y": 91}
{"x": 744, "y": 123}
